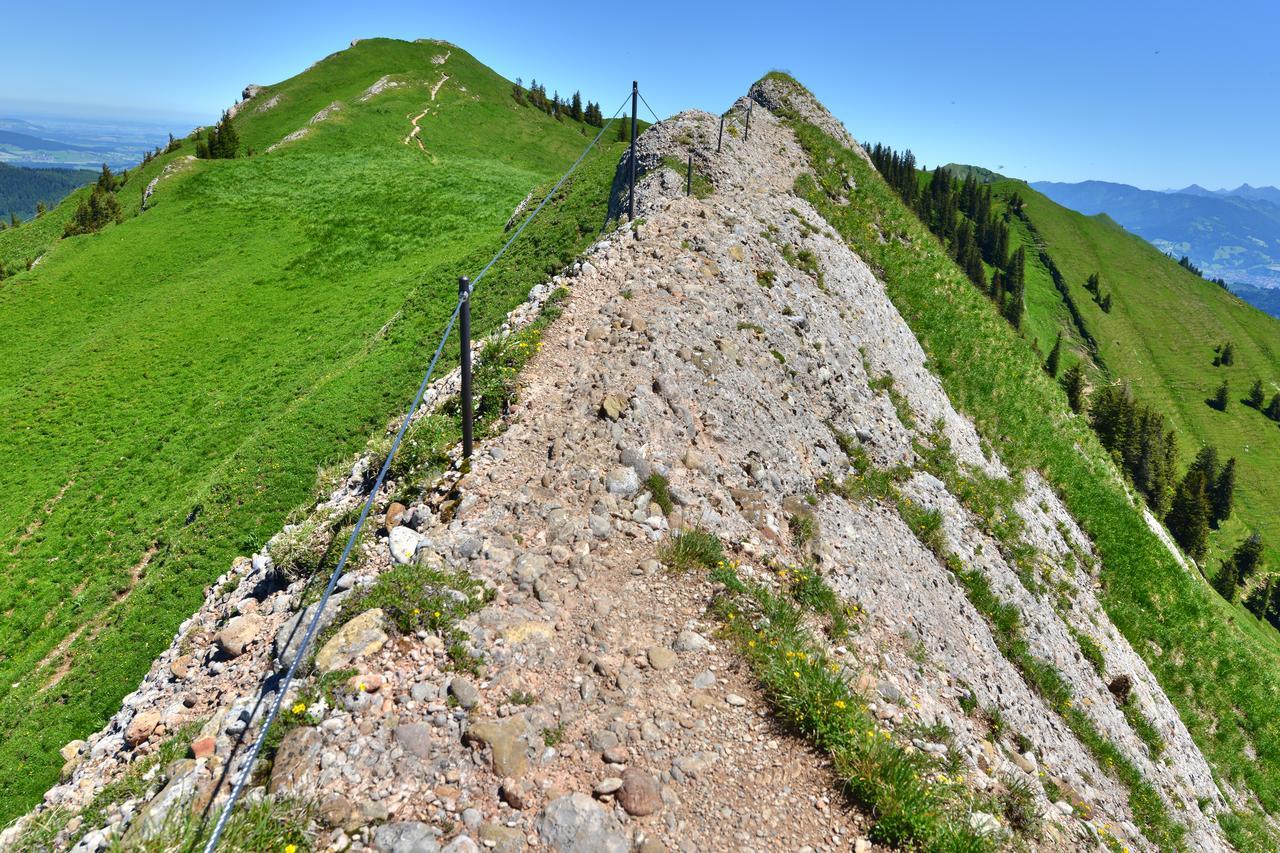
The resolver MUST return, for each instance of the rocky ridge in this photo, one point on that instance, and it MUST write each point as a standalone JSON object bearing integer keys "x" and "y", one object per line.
{"x": 605, "y": 713}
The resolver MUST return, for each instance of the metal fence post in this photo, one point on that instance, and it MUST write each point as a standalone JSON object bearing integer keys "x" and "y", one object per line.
{"x": 464, "y": 332}
{"x": 631, "y": 189}
{"x": 747, "y": 135}
{"x": 688, "y": 178}
{"x": 720, "y": 138}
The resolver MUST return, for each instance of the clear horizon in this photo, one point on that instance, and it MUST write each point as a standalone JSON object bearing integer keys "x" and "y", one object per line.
{"x": 1153, "y": 95}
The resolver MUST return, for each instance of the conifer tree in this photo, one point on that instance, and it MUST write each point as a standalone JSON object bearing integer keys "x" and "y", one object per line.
{"x": 106, "y": 180}
{"x": 1226, "y": 580}
{"x": 1261, "y": 602}
{"x": 575, "y": 107}
{"x": 1055, "y": 357}
{"x": 1224, "y": 490}
{"x": 1073, "y": 384}
{"x": 1247, "y": 558}
{"x": 41, "y": 209}
{"x": 1188, "y": 518}
{"x": 1273, "y": 408}
{"x": 1256, "y": 397}
{"x": 1220, "y": 397}
{"x": 95, "y": 211}
{"x": 1228, "y": 354}
{"x": 1105, "y": 304}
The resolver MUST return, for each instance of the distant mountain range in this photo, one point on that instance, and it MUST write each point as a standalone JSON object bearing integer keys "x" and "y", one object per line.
{"x": 1270, "y": 194}
{"x": 1229, "y": 234}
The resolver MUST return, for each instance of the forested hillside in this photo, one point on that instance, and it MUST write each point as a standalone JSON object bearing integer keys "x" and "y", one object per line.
{"x": 27, "y": 192}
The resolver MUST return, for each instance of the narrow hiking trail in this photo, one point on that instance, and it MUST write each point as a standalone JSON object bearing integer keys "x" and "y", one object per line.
{"x": 413, "y": 134}
{"x": 592, "y": 701}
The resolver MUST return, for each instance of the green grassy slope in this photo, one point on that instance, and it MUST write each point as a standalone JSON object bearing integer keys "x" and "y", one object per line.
{"x": 1159, "y": 336}
{"x": 170, "y": 385}
{"x": 1223, "y": 679}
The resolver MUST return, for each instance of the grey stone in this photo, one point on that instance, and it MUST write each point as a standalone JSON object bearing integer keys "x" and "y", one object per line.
{"x": 603, "y": 739}
{"x": 575, "y": 823}
{"x": 410, "y": 836}
{"x": 622, "y": 481}
{"x": 661, "y": 658}
{"x": 691, "y": 641}
{"x": 704, "y": 679}
{"x": 403, "y": 543}
{"x": 607, "y": 786}
{"x": 462, "y": 844}
{"x": 415, "y": 738}
{"x": 465, "y": 692}
{"x": 288, "y": 639}
{"x": 360, "y": 637}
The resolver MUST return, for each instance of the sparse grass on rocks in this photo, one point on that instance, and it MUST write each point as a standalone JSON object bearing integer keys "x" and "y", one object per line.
{"x": 692, "y": 549}
{"x": 915, "y": 804}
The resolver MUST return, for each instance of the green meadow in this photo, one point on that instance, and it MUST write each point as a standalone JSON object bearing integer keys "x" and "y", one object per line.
{"x": 170, "y": 385}
{"x": 1159, "y": 337}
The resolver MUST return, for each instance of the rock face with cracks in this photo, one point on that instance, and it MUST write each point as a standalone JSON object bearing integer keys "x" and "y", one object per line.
{"x": 601, "y": 712}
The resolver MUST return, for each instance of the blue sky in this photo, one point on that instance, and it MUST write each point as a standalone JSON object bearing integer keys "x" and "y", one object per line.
{"x": 1152, "y": 94}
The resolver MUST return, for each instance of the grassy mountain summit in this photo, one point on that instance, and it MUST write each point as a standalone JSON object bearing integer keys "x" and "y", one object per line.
{"x": 171, "y": 383}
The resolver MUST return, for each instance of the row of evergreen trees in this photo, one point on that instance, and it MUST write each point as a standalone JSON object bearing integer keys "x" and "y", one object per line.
{"x": 1224, "y": 354}
{"x": 220, "y": 142}
{"x": 1145, "y": 447}
{"x": 1185, "y": 263}
{"x": 961, "y": 214}
{"x": 1140, "y": 440}
{"x": 1094, "y": 285}
{"x": 536, "y": 96}
{"x": 1203, "y": 500}
{"x": 100, "y": 207}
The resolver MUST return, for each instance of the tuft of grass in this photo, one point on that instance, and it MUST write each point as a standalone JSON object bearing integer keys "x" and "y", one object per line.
{"x": 660, "y": 489}
{"x": 553, "y": 736}
{"x": 1091, "y": 651}
{"x": 520, "y": 697}
{"x": 1018, "y": 803}
{"x": 419, "y": 597}
{"x": 691, "y": 549}
{"x": 765, "y": 278}
{"x": 701, "y": 184}
{"x": 803, "y": 527}
{"x": 810, "y": 590}
{"x": 914, "y": 806}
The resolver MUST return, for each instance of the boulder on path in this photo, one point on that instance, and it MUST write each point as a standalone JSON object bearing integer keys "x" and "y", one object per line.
{"x": 575, "y": 823}
{"x": 360, "y": 637}
{"x": 237, "y": 634}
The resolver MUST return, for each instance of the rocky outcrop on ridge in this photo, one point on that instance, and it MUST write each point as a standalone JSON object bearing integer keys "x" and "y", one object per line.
{"x": 604, "y": 712}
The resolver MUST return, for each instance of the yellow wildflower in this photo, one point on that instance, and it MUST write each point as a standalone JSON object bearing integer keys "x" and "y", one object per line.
{"x": 299, "y": 707}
